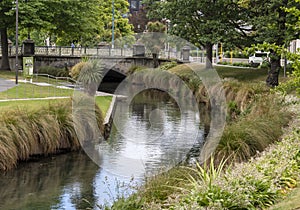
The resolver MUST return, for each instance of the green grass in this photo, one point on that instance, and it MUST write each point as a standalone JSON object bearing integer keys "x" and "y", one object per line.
{"x": 7, "y": 74}
{"x": 26, "y": 90}
{"x": 242, "y": 74}
{"x": 291, "y": 202}
{"x": 11, "y": 75}
{"x": 44, "y": 127}
{"x": 104, "y": 103}
{"x": 30, "y": 105}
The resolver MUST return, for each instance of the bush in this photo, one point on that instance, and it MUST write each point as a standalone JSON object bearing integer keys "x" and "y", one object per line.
{"x": 53, "y": 71}
{"x": 294, "y": 83}
{"x": 134, "y": 69}
{"x": 241, "y": 64}
{"x": 264, "y": 65}
{"x": 75, "y": 70}
{"x": 224, "y": 63}
{"x": 168, "y": 65}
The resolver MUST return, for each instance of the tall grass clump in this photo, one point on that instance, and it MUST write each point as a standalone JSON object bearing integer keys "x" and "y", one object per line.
{"x": 254, "y": 131}
{"x": 45, "y": 131}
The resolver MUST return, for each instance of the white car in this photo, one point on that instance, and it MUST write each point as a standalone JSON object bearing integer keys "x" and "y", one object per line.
{"x": 258, "y": 57}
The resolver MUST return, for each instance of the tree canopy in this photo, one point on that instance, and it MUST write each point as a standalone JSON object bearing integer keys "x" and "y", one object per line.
{"x": 273, "y": 29}
{"x": 203, "y": 23}
{"x": 86, "y": 22}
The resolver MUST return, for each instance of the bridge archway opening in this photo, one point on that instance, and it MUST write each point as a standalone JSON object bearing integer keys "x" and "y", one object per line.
{"x": 111, "y": 81}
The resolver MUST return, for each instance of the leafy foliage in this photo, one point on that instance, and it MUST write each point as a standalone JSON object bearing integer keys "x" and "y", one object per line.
{"x": 122, "y": 26}
{"x": 293, "y": 84}
{"x": 202, "y": 23}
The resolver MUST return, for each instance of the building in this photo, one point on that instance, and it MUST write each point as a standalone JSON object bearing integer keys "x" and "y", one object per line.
{"x": 138, "y": 15}
{"x": 134, "y": 5}
{"x": 294, "y": 46}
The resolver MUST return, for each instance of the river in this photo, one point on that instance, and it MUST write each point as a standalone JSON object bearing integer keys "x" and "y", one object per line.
{"x": 152, "y": 136}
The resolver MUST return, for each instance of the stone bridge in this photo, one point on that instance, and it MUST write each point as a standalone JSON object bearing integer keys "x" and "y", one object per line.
{"x": 118, "y": 59}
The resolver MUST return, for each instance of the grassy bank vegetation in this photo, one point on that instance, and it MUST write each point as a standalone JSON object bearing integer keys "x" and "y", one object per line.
{"x": 255, "y": 120}
{"x": 39, "y": 127}
{"x": 44, "y": 131}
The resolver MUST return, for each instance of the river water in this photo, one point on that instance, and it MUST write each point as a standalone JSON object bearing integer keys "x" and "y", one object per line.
{"x": 151, "y": 136}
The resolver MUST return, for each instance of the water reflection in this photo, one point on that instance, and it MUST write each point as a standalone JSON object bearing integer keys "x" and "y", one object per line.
{"x": 73, "y": 181}
{"x": 60, "y": 181}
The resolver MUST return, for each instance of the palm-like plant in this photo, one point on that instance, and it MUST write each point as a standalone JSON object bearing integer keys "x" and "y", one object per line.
{"x": 90, "y": 76}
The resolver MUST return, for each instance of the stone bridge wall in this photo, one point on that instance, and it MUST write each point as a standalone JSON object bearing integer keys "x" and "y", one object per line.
{"x": 121, "y": 64}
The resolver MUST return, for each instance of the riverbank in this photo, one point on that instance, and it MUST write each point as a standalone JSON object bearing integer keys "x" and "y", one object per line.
{"x": 262, "y": 181}
{"x": 36, "y": 126}
{"x": 45, "y": 128}
{"x": 255, "y": 121}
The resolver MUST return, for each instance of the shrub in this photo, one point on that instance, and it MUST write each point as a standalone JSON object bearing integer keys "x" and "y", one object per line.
{"x": 53, "y": 71}
{"x": 294, "y": 83}
{"x": 75, "y": 70}
{"x": 168, "y": 65}
{"x": 264, "y": 65}
{"x": 241, "y": 64}
{"x": 134, "y": 69}
{"x": 254, "y": 131}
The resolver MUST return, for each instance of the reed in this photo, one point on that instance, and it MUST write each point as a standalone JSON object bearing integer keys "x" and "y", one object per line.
{"x": 254, "y": 131}
{"x": 44, "y": 131}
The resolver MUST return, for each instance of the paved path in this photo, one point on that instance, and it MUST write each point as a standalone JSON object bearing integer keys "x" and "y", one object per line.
{"x": 6, "y": 84}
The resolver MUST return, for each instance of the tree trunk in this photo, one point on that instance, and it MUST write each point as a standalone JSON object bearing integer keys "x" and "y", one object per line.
{"x": 4, "y": 47}
{"x": 155, "y": 60}
{"x": 209, "y": 55}
{"x": 273, "y": 74}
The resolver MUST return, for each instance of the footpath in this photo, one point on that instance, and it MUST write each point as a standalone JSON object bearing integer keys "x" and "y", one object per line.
{"x": 6, "y": 84}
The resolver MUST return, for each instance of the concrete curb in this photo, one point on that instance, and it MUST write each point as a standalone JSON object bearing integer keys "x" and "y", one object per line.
{"x": 108, "y": 120}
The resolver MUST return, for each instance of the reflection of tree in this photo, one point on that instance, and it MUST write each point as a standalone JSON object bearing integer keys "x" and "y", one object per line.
{"x": 41, "y": 183}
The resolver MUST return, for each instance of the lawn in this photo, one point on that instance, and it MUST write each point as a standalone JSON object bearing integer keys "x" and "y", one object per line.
{"x": 12, "y": 76}
{"x": 102, "y": 101}
{"x": 242, "y": 74}
{"x": 245, "y": 74}
{"x": 27, "y": 90}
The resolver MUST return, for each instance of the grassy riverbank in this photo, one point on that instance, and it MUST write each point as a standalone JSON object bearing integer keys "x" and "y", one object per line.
{"x": 45, "y": 128}
{"x": 253, "y": 176}
{"x": 31, "y": 126}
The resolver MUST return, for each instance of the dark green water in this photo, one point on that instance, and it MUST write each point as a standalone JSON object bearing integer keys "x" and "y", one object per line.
{"x": 151, "y": 136}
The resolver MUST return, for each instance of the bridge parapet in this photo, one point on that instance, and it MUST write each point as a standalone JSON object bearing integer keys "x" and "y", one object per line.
{"x": 96, "y": 51}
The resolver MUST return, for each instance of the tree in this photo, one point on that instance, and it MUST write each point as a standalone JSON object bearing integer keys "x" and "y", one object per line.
{"x": 272, "y": 26}
{"x": 294, "y": 83}
{"x": 122, "y": 26}
{"x": 86, "y": 21}
{"x": 203, "y": 23}
{"x": 154, "y": 39}
{"x": 90, "y": 76}
{"x": 7, "y": 21}
{"x": 68, "y": 20}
